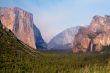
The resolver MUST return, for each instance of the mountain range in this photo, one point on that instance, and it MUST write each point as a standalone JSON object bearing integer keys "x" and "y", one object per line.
{"x": 82, "y": 38}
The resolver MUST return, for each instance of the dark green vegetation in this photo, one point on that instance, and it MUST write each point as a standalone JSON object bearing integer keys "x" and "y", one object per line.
{"x": 16, "y": 57}
{"x": 57, "y": 62}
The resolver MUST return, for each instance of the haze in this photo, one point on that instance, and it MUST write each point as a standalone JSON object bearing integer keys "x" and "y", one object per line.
{"x": 54, "y": 16}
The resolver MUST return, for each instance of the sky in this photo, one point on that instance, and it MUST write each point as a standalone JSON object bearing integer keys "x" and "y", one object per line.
{"x": 54, "y": 16}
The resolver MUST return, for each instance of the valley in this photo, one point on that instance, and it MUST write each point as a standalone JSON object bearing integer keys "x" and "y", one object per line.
{"x": 80, "y": 49}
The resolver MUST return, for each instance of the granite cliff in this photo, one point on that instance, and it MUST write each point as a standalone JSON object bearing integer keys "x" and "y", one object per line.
{"x": 64, "y": 40}
{"x": 96, "y": 35}
{"x": 20, "y": 22}
{"x": 40, "y": 43}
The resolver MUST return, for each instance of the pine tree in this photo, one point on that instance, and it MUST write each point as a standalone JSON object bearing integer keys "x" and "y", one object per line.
{"x": 0, "y": 25}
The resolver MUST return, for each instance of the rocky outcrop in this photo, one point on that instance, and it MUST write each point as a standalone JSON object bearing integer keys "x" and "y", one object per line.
{"x": 20, "y": 23}
{"x": 99, "y": 31}
{"x": 40, "y": 43}
{"x": 64, "y": 40}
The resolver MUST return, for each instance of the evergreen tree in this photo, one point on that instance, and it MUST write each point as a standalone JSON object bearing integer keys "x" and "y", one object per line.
{"x": 0, "y": 25}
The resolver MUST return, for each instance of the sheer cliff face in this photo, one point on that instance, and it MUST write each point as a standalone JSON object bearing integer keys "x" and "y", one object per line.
{"x": 100, "y": 23}
{"x": 100, "y": 27}
{"x": 40, "y": 43}
{"x": 20, "y": 22}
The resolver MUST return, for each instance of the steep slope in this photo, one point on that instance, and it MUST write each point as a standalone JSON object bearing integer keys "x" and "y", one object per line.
{"x": 40, "y": 43}
{"x": 15, "y": 56}
{"x": 64, "y": 40}
{"x": 20, "y": 23}
{"x": 96, "y": 34}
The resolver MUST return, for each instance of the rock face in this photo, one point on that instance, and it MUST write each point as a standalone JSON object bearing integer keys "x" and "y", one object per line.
{"x": 40, "y": 43}
{"x": 64, "y": 40}
{"x": 20, "y": 23}
{"x": 99, "y": 30}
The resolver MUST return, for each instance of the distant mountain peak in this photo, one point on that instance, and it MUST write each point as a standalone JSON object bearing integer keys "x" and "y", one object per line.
{"x": 64, "y": 40}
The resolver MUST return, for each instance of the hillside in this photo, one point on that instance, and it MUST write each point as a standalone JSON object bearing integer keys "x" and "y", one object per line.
{"x": 15, "y": 56}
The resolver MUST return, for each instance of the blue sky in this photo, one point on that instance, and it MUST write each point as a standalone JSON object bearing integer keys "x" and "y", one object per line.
{"x": 54, "y": 16}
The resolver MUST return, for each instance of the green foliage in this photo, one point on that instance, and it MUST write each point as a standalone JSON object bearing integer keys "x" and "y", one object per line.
{"x": 16, "y": 57}
{"x": 0, "y": 25}
{"x": 106, "y": 49}
{"x": 55, "y": 62}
